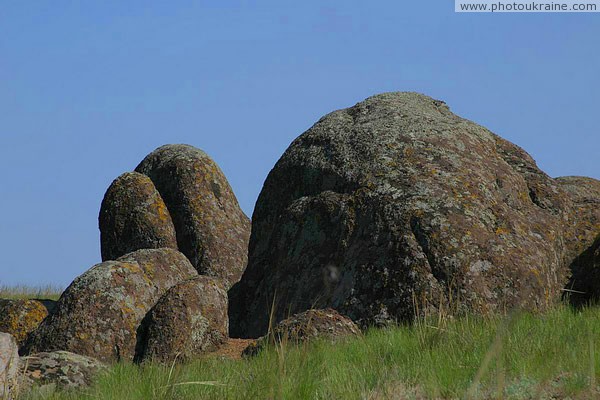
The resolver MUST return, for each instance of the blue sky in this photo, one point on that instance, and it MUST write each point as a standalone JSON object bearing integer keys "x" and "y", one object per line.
{"x": 87, "y": 89}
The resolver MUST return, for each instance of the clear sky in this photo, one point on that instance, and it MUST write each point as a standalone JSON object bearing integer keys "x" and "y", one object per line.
{"x": 88, "y": 88}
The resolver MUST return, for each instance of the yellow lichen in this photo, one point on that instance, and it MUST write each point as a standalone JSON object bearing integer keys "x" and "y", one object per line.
{"x": 82, "y": 335}
{"x": 161, "y": 210}
{"x": 21, "y": 318}
{"x": 501, "y": 230}
{"x": 523, "y": 196}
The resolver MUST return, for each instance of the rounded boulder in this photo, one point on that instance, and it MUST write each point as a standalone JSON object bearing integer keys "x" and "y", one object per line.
{"x": 395, "y": 205}
{"x": 309, "y": 325}
{"x": 61, "y": 368}
{"x": 133, "y": 216}
{"x": 212, "y": 231}
{"x": 21, "y": 317}
{"x": 189, "y": 319}
{"x": 99, "y": 314}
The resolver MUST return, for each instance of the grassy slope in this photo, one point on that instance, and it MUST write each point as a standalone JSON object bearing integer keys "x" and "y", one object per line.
{"x": 523, "y": 356}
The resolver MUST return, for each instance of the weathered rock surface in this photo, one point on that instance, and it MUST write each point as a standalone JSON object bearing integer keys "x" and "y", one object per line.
{"x": 189, "y": 319}
{"x": 61, "y": 368}
{"x": 9, "y": 365}
{"x": 212, "y": 230}
{"x": 584, "y": 218}
{"x": 99, "y": 313}
{"x": 133, "y": 216}
{"x": 21, "y": 317}
{"x": 397, "y": 204}
{"x": 309, "y": 325}
{"x": 582, "y": 238}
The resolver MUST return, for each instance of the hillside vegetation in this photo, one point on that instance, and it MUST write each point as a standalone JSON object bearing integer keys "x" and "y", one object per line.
{"x": 521, "y": 356}
{"x": 15, "y": 292}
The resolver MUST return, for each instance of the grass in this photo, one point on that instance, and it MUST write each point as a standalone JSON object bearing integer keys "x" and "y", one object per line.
{"x": 48, "y": 292}
{"x": 523, "y": 356}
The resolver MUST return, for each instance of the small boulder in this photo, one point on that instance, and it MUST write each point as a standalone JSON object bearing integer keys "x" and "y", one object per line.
{"x": 189, "y": 319}
{"x": 309, "y": 325}
{"x": 133, "y": 216}
{"x": 61, "y": 368}
{"x": 99, "y": 313}
{"x": 9, "y": 365}
{"x": 21, "y": 317}
{"x": 212, "y": 230}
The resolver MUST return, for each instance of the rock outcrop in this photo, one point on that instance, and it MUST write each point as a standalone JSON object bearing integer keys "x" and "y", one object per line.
{"x": 309, "y": 325}
{"x": 99, "y": 313}
{"x": 212, "y": 231}
{"x": 133, "y": 216}
{"x": 61, "y": 368}
{"x": 583, "y": 223}
{"x": 190, "y": 319}
{"x": 396, "y": 205}
{"x": 9, "y": 365}
{"x": 21, "y": 317}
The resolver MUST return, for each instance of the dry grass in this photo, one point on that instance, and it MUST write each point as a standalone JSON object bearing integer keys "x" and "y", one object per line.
{"x": 50, "y": 292}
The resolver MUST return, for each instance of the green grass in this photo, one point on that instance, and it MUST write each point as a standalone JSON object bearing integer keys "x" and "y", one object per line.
{"x": 520, "y": 357}
{"x": 49, "y": 292}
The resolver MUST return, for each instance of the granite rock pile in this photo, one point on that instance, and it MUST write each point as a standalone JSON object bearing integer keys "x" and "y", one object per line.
{"x": 379, "y": 213}
{"x": 173, "y": 240}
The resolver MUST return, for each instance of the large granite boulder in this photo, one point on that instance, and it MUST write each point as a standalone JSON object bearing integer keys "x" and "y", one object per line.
{"x": 21, "y": 317}
{"x": 61, "y": 368}
{"x": 212, "y": 230}
{"x": 98, "y": 315}
{"x": 396, "y": 205}
{"x": 133, "y": 216}
{"x": 9, "y": 365}
{"x": 307, "y": 326}
{"x": 189, "y": 319}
